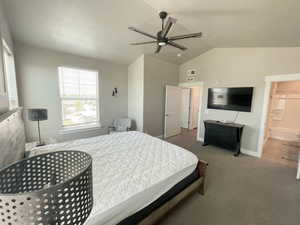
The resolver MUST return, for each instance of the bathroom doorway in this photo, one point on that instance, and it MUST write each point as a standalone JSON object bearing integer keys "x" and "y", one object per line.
{"x": 282, "y": 132}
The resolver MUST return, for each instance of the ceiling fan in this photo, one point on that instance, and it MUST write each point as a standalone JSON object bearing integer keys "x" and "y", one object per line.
{"x": 161, "y": 38}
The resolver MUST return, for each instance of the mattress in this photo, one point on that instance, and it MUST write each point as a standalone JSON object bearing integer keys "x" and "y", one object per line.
{"x": 166, "y": 197}
{"x": 130, "y": 171}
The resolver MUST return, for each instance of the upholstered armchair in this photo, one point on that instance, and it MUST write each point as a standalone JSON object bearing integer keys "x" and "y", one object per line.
{"x": 120, "y": 125}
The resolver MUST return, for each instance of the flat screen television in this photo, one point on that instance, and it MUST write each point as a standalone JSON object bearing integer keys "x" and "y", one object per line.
{"x": 236, "y": 99}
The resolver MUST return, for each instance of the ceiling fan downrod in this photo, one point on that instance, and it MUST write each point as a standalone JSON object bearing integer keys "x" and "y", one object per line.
{"x": 163, "y": 15}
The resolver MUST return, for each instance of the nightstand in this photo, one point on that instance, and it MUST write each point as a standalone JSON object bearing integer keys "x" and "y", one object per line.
{"x": 29, "y": 146}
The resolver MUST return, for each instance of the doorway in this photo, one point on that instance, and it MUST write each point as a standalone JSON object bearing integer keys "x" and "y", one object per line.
{"x": 282, "y": 131}
{"x": 190, "y": 101}
{"x": 183, "y": 109}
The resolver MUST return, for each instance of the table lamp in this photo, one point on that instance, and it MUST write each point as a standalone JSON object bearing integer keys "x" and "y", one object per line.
{"x": 38, "y": 115}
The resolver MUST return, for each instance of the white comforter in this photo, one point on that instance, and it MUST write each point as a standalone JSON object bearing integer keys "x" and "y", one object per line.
{"x": 130, "y": 170}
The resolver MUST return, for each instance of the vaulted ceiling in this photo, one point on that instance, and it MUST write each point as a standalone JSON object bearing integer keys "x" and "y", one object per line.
{"x": 98, "y": 28}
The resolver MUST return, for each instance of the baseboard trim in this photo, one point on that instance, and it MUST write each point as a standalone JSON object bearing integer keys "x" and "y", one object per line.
{"x": 249, "y": 152}
{"x": 243, "y": 150}
{"x": 200, "y": 139}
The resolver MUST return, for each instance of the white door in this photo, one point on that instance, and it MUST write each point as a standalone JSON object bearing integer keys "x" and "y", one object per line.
{"x": 185, "y": 107}
{"x": 172, "y": 111}
{"x": 194, "y": 110}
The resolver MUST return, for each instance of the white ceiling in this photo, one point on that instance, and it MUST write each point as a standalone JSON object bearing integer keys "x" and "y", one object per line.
{"x": 98, "y": 28}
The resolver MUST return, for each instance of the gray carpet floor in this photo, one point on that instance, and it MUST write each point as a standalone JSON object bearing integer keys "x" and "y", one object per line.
{"x": 240, "y": 191}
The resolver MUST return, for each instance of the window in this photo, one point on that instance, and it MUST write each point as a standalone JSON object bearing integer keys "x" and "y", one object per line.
{"x": 79, "y": 97}
{"x": 10, "y": 76}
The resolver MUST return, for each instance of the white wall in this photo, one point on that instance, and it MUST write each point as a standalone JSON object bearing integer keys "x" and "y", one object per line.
{"x": 6, "y": 35}
{"x": 158, "y": 74}
{"x": 147, "y": 78}
{"x": 232, "y": 67}
{"x": 37, "y": 77}
{"x": 136, "y": 92}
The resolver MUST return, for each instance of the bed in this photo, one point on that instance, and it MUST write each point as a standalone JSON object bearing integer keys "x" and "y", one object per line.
{"x": 137, "y": 178}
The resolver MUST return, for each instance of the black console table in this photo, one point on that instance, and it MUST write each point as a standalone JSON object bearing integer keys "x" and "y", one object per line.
{"x": 225, "y": 135}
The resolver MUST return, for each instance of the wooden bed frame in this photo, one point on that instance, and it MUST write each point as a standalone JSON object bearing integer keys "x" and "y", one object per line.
{"x": 12, "y": 149}
{"x": 198, "y": 185}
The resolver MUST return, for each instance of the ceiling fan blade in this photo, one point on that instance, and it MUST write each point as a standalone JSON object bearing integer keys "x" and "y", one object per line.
{"x": 158, "y": 49}
{"x": 181, "y": 47}
{"x": 179, "y": 37}
{"x": 167, "y": 27}
{"x": 142, "y": 32}
{"x": 143, "y": 43}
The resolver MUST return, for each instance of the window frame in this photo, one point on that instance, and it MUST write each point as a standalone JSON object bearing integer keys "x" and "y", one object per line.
{"x": 7, "y": 85}
{"x": 79, "y": 126}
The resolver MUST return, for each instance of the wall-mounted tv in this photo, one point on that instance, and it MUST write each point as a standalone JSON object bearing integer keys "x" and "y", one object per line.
{"x": 236, "y": 99}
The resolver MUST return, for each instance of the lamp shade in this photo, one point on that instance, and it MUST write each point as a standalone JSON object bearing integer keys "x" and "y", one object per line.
{"x": 49, "y": 189}
{"x": 37, "y": 114}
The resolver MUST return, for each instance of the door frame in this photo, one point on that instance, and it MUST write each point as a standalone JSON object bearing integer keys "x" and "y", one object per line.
{"x": 196, "y": 84}
{"x": 266, "y": 101}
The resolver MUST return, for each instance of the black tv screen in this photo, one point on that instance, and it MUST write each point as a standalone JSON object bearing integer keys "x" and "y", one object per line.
{"x": 236, "y": 99}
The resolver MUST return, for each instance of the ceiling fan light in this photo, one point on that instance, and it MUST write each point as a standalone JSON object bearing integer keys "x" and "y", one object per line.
{"x": 162, "y": 43}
